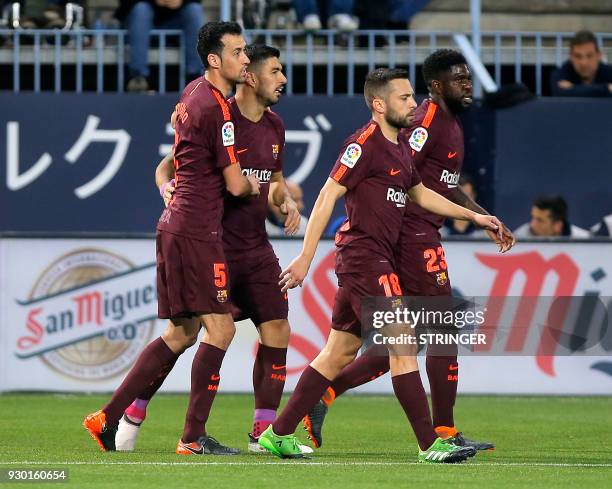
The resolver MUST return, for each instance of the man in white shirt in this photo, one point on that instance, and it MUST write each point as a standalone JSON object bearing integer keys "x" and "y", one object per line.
{"x": 549, "y": 219}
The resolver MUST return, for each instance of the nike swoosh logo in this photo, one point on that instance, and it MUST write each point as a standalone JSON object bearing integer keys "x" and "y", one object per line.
{"x": 394, "y": 172}
{"x": 242, "y": 150}
{"x": 215, "y": 377}
{"x": 199, "y": 451}
{"x": 278, "y": 367}
{"x": 451, "y": 368}
{"x": 451, "y": 154}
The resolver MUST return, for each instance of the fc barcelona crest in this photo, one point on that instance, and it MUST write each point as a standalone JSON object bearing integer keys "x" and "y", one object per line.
{"x": 441, "y": 278}
{"x": 275, "y": 150}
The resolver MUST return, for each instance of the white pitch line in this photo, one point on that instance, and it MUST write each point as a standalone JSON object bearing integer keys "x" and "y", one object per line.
{"x": 308, "y": 463}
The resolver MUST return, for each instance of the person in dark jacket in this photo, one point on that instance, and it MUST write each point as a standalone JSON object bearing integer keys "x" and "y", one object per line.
{"x": 584, "y": 74}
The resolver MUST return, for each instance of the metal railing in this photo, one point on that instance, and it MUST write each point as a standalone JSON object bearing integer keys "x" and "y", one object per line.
{"x": 83, "y": 47}
{"x": 507, "y": 55}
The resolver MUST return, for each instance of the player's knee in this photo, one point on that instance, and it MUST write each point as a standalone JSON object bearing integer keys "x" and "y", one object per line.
{"x": 338, "y": 358}
{"x": 220, "y": 333}
{"x": 177, "y": 341}
{"x": 275, "y": 333}
{"x": 191, "y": 338}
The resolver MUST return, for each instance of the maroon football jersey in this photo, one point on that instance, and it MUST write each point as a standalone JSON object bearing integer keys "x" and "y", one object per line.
{"x": 259, "y": 147}
{"x": 377, "y": 174}
{"x": 203, "y": 146}
{"x": 436, "y": 141}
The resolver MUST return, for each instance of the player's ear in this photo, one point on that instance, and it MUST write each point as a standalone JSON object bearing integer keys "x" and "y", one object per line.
{"x": 378, "y": 105}
{"x": 214, "y": 60}
{"x": 251, "y": 79}
{"x": 435, "y": 86}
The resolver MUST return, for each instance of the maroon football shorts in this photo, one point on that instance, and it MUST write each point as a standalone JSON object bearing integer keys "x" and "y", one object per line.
{"x": 192, "y": 277}
{"x": 255, "y": 291}
{"x": 422, "y": 269}
{"x": 424, "y": 273}
{"x": 352, "y": 288}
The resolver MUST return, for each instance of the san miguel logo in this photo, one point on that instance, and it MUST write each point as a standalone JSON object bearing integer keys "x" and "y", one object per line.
{"x": 88, "y": 315}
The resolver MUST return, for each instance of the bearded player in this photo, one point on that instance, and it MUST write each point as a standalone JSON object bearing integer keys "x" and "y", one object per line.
{"x": 252, "y": 265}
{"x": 436, "y": 141}
{"x": 192, "y": 281}
{"x": 375, "y": 174}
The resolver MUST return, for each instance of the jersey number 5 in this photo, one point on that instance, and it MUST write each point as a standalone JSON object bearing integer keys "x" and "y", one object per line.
{"x": 220, "y": 274}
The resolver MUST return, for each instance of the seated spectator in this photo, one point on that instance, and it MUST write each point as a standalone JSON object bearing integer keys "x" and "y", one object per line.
{"x": 603, "y": 227}
{"x": 549, "y": 218}
{"x": 456, "y": 227}
{"x": 275, "y": 223}
{"x": 339, "y": 14}
{"x": 584, "y": 75}
{"x": 141, "y": 16}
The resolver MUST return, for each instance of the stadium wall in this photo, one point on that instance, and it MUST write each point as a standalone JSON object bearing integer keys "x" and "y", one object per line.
{"x": 75, "y": 314}
{"x": 85, "y": 162}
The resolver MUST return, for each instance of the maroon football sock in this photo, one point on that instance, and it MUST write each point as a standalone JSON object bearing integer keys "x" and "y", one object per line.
{"x": 364, "y": 369}
{"x": 269, "y": 373}
{"x": 147, "y": 368}
{"x": 443, "y": 374}
{"x": 149, "y": 391}
{"x": 307, "y": 393}
{"x": 409, "y": 391}
{"x": 204, "y": 385}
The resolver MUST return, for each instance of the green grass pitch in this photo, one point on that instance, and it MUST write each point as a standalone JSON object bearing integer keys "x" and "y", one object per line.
{"x": 542, "y": 442}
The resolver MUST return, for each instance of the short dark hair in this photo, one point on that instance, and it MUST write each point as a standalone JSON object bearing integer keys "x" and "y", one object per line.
{"x": 439, "y": 62}
{"x": 209, "y": 38}
{"x": 553, "y": 203}
{"x": 377, "y": 80}
{"x": 583, "y": 37}
{"x": 258, "y": 53}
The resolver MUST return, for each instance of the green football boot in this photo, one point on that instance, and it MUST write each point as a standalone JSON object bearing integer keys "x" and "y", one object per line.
{"x": 286, "y": 446}
{"x": 444, "y": 452}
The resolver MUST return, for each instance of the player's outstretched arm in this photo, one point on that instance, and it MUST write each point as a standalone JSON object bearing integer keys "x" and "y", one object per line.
{"x": 164, "y": 177}
{"x": 459, "y": 197}
{"x": 237, "y": 184}
{"x": 434, "y": 202}
{"x": 280, "y": 197}
{"x": 296, "y": 272}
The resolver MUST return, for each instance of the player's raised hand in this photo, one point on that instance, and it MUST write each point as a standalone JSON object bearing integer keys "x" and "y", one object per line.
{"x": 490, "y": 223}
{"x": 292, "y": 223}
{"x": 254, "y": 181}
{"x": 166, "y": 190}
{"x": 294, "y": 274}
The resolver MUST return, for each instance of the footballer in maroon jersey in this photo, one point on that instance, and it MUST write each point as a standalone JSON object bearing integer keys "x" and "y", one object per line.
{"x": 374, "y": 173}
{"x": 253, "y": 267}
{"x": 435, "y": 137}
{"x": 191, "y": 267}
